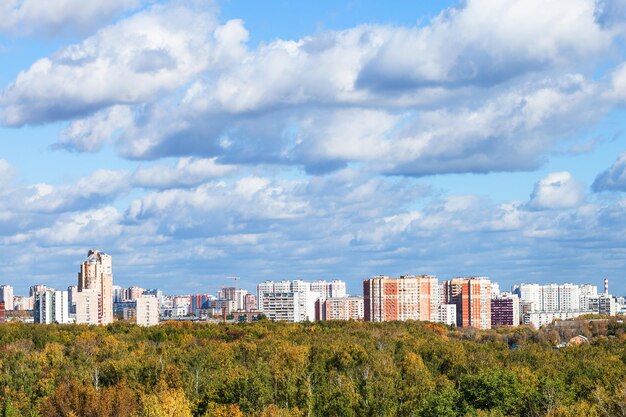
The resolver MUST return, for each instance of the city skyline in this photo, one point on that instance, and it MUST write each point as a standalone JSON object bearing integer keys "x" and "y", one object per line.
{"x": 193, "y": 141}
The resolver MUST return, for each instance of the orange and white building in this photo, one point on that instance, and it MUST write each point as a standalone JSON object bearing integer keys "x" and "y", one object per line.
{"x": 406, "y": 298}
{"x": 472, "y": 297}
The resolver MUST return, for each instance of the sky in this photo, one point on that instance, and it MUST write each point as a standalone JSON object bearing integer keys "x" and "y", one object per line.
{"x": 199, "y": 140}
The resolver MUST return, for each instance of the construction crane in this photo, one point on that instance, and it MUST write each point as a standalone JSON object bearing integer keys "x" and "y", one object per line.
{"x": 234, "y": 278}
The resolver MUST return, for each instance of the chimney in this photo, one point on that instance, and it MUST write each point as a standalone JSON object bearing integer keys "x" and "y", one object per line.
{"x": 606, "y": 286}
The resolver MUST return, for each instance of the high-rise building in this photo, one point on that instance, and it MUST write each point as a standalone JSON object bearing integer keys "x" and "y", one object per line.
{"x": 2, "y": 313}
{"x": 531, "y": 294}
{"x": 282, "y": 306}
{"x": 6, "y": 296}
{"x": 96, "y": 273}
{"x": 198, "y": 302}
{"x": 505, "y": 310}
{"x": 306, "y": 298}
{"x": 42, "y": 311}
{"x": 118, "y": 293}
{"x": 406, "y": 298}
{"x": 472, "y": 297}
{"x": 339, "y": 308}
{"x": 60, "y": 307}
{"x": 555, "y": 297}
{"x": 71, "y": 298}
{"x": 236, "y": 294}
{"x": 147, "y": 310}
{"x": 88, "y": 307}
{"x": 132, "y": 293}
{"x": 447, "y": 314}
{"x": 587, "y": 292}
{"x": 380, "y": 299}
{"x": 569, "y": 297}
{"x": 250, "y": 303}
{"x": 603, "y": 304}
{"x": 51, "y": 306}
{"x": 329, "y": 289}
{"x": 37, "y": 289}
{"x": 23, "y": 303}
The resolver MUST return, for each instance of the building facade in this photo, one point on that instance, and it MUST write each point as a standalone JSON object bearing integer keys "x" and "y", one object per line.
{"x": 50, "y": 306}
{"x": 409, "y": 297}
{"x": 147, "y": 310}
{"x": 505, "y": 310}
{"x": 339, "y": 308}
{"x": 472, "y": 297}
{"x": 282, "y": 306}
{"x": 6, "y": 296}
{"x": 96, "y": 274}
{"x": 88, "y": 310}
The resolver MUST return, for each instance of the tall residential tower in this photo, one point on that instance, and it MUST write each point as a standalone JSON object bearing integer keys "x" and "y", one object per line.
{"x": 96, "y": 275}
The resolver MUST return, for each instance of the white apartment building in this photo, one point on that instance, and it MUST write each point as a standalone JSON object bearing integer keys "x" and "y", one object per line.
{"x": 447, "y": 314}
{"x": 61, "y": 313}
{"x": 569, "y": 297}
{"x": 147, "y": 310}
{"x": 50, "y": 306}
{"x": 531, "y": 294}
{"x": 587, "y": 292}
{"x": 542, "y": 318}
{"x": 88, "y": 307}
{"x": 42, "y": 307}
{"x": 282, "y": 306}
{"x": 552, "y": 297}
{"x": 603, "y": 304}
{"x": 23, "y": 303}
{"x": 329, "y": 289}
{"x": 306, "y": 297}
{"x": 6, "y": 296}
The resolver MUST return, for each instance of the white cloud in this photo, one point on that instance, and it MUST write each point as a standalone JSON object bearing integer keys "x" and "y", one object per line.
{"x": 483, "y": 87}
{"x": 90, "y": 134}
{"x": 82, "y": 228}
{"x": 614, "y": 178}
{"x": 7, "y": 172}
{"x": 99, "y": 187}
{"x": 133, "y": 61}
{"x": 558, "y": 190}
{"x": 188, "y": 172}
{"x": 24, "y": 17}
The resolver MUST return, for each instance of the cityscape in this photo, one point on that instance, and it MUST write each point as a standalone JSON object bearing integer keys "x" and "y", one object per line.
{"x": 336, "y": 208}
{"x": 475, "y": 302}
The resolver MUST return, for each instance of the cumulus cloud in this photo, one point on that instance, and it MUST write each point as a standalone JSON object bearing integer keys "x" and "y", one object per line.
{"x": 100, "y": 187}
{"x": 25, "y": 17}
{"x": 187, "y": 172}
{"x": 82, "y": 228}
{"x": 130, "y": 62}
{"x": 614, "y": 178}
{"x": 474, "y": 90}
{"x": 512, "y": 130}
{"x": 90, "y": 134}
{"x": 558, "y": 190}
{"x": 7, "y": 172}
{"x": 345, "y": 222}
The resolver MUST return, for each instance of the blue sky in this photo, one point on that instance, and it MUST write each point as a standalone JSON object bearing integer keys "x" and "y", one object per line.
{"x": 197, "y": 140}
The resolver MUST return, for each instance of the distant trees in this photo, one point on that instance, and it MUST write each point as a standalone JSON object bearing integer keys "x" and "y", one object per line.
{"x": 327, "y": 369}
